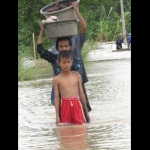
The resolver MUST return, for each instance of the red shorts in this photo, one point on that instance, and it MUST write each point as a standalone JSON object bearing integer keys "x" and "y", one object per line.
{"x": 72, "y": 111}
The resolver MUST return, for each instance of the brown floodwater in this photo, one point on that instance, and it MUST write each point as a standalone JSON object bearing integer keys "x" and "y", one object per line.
{"x": 109, "y": 92}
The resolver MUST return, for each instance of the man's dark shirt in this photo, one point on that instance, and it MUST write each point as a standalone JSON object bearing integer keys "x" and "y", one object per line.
{"x": 52, "y": 58}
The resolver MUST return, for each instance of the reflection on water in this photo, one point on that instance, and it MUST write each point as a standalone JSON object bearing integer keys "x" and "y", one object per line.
{"x": 72, "y": 137}
{"x": 109, "y": 94}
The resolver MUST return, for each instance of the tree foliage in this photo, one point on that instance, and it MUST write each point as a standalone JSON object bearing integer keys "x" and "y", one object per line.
{"x": 102, "y": 18}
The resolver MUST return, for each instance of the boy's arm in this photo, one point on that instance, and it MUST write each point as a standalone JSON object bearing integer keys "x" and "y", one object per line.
{"x": 44, "y": 53}
{"x": 82, "y": 96}
{"x": 56, "y": 100}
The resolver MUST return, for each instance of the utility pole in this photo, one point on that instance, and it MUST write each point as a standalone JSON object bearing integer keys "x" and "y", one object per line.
{"x": 123, "y": 21}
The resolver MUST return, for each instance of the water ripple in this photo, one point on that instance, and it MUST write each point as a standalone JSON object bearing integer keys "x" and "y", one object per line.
{"x": 109, "y": 94}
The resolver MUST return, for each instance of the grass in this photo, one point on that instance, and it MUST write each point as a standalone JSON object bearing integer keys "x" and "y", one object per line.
{"x": 43, "y": 69}
{"x": 87, "y": 47}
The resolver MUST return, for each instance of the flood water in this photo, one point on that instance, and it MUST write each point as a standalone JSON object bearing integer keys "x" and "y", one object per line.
{"x": 109, "y": 92}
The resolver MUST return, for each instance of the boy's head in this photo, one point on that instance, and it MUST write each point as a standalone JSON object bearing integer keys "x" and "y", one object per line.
{"x": 65, "y": 55}
{"x": 63, "y": 44}
{"x": 65, "y": 60}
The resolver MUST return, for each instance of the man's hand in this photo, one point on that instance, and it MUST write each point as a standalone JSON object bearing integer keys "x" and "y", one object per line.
{"x": 39, "y": 41}
{"x": 75, "y": 73}
{"x": 75, "y": 5}
{"x": 41, "y": 26}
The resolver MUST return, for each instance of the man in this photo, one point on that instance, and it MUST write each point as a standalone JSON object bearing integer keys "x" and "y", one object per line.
{"x": 61, "y": 45}
{"x": 129, "y": 40}
{"x": 77, "y": 45}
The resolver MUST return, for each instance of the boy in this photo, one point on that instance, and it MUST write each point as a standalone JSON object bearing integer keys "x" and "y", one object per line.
{"x": 68, "y": 107}
{"x": 77, "y": 45}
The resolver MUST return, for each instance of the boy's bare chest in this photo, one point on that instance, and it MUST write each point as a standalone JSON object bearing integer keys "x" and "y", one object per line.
{"x": 69, "y": 82}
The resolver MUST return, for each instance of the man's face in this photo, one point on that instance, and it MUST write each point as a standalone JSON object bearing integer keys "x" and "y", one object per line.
{"x": 63, "y": 45}
{"x": 118, "y": 38}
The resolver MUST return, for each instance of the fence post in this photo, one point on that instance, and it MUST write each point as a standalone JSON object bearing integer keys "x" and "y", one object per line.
{"x": 34, "y": 55}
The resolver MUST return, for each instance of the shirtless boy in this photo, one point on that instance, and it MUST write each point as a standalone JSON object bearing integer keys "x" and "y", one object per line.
{"x": 68, "y": 108}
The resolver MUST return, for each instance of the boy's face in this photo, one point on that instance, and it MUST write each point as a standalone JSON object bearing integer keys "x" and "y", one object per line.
{"x": 63, "y": 45}
{"x": 65, "y": 64}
